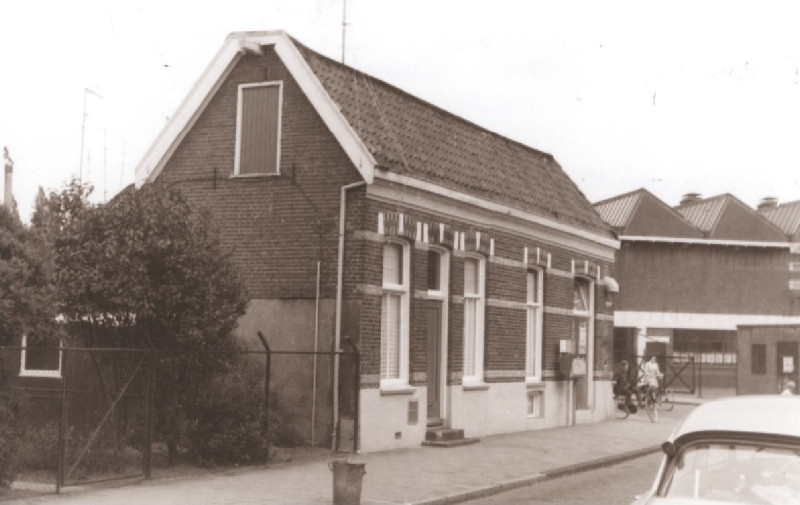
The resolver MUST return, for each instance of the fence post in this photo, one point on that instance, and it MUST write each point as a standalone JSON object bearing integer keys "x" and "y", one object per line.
{"x": 700, "y": 378}
{"x": 149, "y": 412}
{"x": 62, "y": 428}
{"x": 357, "y": 430}
{"x": 266, "y": 390}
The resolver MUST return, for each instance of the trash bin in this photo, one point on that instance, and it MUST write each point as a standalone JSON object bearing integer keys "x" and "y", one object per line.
{"x": 347, "y": 478}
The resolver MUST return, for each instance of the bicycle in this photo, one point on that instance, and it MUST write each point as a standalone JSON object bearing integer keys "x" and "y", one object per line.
{"x": 644, "y": 400}
{"x": 665, "y": 397}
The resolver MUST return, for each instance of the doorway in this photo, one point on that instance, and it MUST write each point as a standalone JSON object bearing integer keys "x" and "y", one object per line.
{"x": 434, "y": 335}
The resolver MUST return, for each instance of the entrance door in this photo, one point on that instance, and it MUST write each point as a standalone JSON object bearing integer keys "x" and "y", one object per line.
{"x": 787, "y": 362}
{"x": 434, "y": 330}
{"x": 580, "y": 342}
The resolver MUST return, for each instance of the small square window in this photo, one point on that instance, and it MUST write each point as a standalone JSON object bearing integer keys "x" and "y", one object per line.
{"x": 40, "y": 357}
{"x": 535, "y": 404}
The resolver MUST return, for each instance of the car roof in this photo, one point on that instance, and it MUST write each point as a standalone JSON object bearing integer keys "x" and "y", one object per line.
{"x": 770, "y": 415}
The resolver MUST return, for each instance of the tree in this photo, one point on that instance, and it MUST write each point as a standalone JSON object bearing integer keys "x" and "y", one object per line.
{"x": 146, "y": 269}
{"x": 28, "y": 302}
{"x": 27, "y": 307}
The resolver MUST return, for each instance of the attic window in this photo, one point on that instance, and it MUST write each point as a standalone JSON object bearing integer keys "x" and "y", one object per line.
{"x": 258, "y": 129}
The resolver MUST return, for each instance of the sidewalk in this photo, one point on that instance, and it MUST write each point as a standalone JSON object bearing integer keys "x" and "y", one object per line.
{"x": 423, "y": 475}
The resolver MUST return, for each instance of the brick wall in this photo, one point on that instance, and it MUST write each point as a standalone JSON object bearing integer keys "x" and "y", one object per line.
{"x": 505, "y": 316}
{"x": 279, "y": 226}
{"x": 704, "y": 279}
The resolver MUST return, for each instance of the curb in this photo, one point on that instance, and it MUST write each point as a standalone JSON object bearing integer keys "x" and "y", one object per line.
{"x": 539, "y": 477}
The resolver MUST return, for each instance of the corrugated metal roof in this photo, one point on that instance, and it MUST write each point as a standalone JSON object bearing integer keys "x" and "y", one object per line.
{"x": 705, "y": 213}
{"x": 409, "y": 136}
{"x": 785, "y": 216}
{"x": 617, "y": 211}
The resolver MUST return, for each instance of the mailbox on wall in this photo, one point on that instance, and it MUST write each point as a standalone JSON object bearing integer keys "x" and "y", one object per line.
{"x": 572, "y": 366}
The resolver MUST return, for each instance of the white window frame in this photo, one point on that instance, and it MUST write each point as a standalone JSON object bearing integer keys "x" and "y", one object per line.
{"x": 238, "y": 153}
{"x": 480, "y": 307}
{"x": 403, "y": 290}
{"x": 534, "y": 325}
{"x": 24, "y": 371}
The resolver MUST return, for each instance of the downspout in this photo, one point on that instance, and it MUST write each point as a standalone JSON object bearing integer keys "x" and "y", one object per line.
{"x": 338, "y": 324}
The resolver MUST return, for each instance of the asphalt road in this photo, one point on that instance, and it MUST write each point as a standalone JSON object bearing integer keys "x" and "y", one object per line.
{"x": 617, "y": 484}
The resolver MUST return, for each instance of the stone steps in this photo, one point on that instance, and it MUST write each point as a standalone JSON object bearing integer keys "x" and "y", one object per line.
{"x": 446, "y": 437}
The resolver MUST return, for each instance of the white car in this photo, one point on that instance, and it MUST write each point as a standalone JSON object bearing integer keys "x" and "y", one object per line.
{"x": 736, "y": 450}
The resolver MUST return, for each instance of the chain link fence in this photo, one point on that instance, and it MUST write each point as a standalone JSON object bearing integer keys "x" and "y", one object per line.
{"x": 110, "y": 414}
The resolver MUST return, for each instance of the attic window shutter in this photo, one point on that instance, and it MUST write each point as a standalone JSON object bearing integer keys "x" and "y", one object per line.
{"x": 258, "y": 148}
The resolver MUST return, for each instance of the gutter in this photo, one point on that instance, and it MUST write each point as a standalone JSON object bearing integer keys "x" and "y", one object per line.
{"x": 338, "y": 324}
{"x": 704, "y": 241}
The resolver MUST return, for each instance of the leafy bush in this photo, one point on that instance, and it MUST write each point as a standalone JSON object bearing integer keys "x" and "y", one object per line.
{"x": 229, "y": 426}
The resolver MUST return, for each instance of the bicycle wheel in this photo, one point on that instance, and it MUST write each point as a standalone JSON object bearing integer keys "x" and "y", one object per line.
{"x": 667, "y": 399}
{"x": 620, "y": 408}
{"x": 651, "y": 407}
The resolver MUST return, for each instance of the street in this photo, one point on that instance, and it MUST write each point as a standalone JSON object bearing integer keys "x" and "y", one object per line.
{"x": 617, "y": 484}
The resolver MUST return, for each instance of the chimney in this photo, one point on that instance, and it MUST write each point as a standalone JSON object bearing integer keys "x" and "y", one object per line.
{"x": 690, "y": 198}
{"x": 8, "y": 193}
{"x": 768, "y": 202}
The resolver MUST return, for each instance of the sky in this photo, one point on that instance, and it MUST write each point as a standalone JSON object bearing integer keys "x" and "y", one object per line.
{"x": 674, "y": 97}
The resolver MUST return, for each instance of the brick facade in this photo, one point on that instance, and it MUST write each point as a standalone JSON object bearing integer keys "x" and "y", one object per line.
{"x": 281, "y": 226}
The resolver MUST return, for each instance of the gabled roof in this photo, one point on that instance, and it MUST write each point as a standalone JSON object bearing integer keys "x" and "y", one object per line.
{"x": 785, "y": 216}
{"x": 640, "y": 213}
{"x": 725, "y": 217}
{"x": 704, "y": 214}
{"x": 384, "y": 130}
{"x": 617, "y": 211}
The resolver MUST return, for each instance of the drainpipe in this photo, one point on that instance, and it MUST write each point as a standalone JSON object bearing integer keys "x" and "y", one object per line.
{"x": 338, "y": 325}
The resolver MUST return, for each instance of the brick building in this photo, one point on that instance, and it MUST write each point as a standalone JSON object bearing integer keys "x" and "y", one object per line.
{"x": 691, "y": 275}
{"x": 459, "y": 262}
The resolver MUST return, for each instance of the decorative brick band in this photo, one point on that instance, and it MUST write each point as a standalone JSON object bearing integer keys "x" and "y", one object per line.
{"x": 369, "y": 289}
{"x": 397, "y": 224}
{"x": 560, "y": 273}
{"x": 506, "y": 304}
{"x": 559, "y": 311}
{"x": 536, "y": 256}
{"x": 506, "y": 262}
{"x": 504, "y": 374}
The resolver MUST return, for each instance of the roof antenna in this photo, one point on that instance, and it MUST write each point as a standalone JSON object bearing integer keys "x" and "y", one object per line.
{"x": 344, "y": 26}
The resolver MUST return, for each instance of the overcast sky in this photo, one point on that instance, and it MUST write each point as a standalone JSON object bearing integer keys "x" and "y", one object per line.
{"x": 675, "y": 97}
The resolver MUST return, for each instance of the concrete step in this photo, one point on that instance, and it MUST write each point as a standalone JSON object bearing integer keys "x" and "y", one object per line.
{"x": 446, "y": 437}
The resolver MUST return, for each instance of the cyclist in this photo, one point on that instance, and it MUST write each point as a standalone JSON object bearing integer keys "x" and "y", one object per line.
{"x": 650, "y": 378}
{"x": 621, "y": 384}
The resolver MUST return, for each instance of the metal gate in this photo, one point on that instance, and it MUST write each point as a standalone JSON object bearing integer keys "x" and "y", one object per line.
{"x": 680, "y": 372}
{"x": 105, "y": 415}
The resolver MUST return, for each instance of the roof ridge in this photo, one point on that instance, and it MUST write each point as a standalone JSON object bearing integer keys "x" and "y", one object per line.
{"x": 618, "y": 197}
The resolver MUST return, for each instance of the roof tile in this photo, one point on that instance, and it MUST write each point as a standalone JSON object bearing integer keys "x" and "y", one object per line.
{"x": 409, "y": 136}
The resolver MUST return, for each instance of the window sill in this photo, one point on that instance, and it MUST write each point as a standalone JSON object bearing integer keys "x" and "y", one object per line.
{"x": 397, "y": 390}
{"x": 475, "y": 386}
{"x": 40, "y": 373}
{"x": 534, "y": 385}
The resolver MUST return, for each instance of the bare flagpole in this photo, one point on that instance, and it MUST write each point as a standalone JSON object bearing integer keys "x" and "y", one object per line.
{"x": 83, "y": 130}
{"x": 344, "y": 26}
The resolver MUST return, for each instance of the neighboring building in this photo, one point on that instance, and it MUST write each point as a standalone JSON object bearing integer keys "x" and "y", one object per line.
{"x": 690, "y": 275}
{"x": 785, "y": 216}
{"x": 458, "y": 261}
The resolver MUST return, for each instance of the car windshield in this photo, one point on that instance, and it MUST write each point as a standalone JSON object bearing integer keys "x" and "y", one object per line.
{"x": 735, "y": 473}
